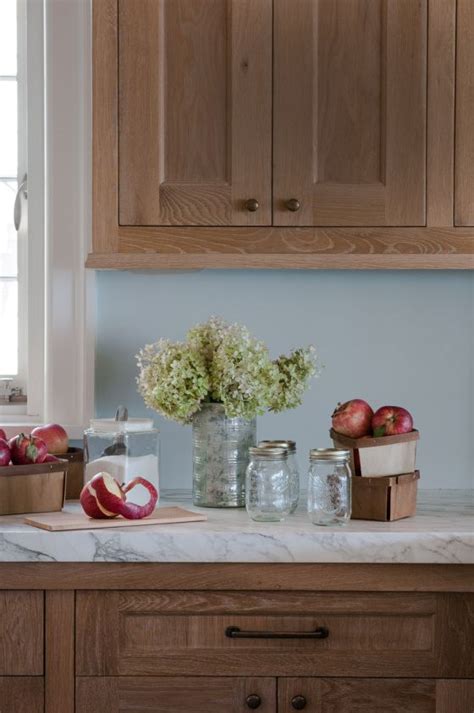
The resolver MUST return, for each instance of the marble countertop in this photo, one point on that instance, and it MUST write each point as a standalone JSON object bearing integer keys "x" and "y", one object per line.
{"x": 441, "y": 532}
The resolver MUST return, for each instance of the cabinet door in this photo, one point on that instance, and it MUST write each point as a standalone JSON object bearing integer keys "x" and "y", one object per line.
{"x": 175, "y": 695}
{"x": 21, "y": 694}
{"x": 464, "y": 154}
{"x": 350, "y": 112}
{"x": 364, "y": 695}
{"x": 374, "y": 695}
{"x": 195, "y": 83}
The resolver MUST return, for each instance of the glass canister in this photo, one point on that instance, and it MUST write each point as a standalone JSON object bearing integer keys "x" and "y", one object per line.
{"x": 267, "y": 485}
{"x": 292, "y": 466}
{"x": 125, "y": 449}
{"x": 329, "y": 486}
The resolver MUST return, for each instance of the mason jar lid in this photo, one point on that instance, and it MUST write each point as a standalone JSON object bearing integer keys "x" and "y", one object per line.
{"x": 289, "y": 445}
{"x": 331, "y": 454}
{"x": 110, "y": 425}
{"x": 270, "y": 453}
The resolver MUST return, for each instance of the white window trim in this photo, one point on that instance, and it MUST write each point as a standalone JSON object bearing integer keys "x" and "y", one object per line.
{"x": 66, "y": 393}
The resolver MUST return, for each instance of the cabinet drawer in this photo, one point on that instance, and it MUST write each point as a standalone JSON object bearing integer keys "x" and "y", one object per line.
{"x": 176, "y": 633}
{"x": 175, "y": 695}
{"x": 21, "y": 695}
{"x": 21, "y": 633}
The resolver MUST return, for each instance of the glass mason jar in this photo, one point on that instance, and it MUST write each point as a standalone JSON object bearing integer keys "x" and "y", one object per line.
{"x": 329, "y": 486}
{"x": 267, "y": 485}
{"x": 220, "y": 457}
{"x": 292, "y": 466}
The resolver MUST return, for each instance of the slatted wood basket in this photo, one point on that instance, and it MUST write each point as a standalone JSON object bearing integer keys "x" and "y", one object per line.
{"x": 40, "y": 487}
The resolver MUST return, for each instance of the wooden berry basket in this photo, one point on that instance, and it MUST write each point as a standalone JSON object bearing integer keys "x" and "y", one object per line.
{"x": 378, "y": 457}
{"x": 385, "y": 498}
{"x": 40, "y": 487}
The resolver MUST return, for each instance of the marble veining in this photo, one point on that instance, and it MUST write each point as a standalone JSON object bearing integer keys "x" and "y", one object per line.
{"x": 441, "y": 532}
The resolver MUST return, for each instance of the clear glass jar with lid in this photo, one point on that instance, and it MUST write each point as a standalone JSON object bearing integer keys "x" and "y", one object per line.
{"x": 125, "y": 448}
{"x": 292, "y": 466}
{"x": 329, "y": 486}
{"x": 267, "y": 485}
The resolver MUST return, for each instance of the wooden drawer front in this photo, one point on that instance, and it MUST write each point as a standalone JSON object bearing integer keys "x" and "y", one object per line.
{"x": 157, "y": 633}
{"x": 21, "y": 633}
{"x": 174, "y": 695}
{"x": 21, "y": 695}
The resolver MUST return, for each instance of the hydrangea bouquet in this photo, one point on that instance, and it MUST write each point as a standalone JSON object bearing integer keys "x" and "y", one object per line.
{"x": 219, "y": 380}
{"x": 221, "y": 363}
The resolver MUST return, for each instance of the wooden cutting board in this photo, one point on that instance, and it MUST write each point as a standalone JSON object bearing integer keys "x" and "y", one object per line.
{"x": 60, "y": 521}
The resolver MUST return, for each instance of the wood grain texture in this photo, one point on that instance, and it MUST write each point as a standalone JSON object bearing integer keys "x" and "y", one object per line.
{"x": 464, "y": 151}
{"x": 21, "y": 695}
{"x": 455, "y": 634}
{"x": 21, "y": 633}
{"x": 104, "y": 126}
{"x": 440, "y": 138}
{"x": 367, "y": 695}
{"x": 246, "y": 576}
{"x": 350, "y": 112}
{"x": 305, "y": 248}
{"x": 455, "y": 696}
{"x": 379, "y": 635}
{"x": 59, "y": 652}
{"x": 174, "y": 695}
{"x": 195, "y": 82}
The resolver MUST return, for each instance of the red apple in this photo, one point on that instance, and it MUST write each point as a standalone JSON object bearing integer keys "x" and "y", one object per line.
{"x": 89, "y": 502}
{"x": 391, "y": 421}
{"x": 5, "y": 455}
{"x": 103, "y": 497}
{"x": 353, "y": 418}
{"x": 3, "y": 435}
{"x": 27, "y": 449}
{"x": 54, "y": 436}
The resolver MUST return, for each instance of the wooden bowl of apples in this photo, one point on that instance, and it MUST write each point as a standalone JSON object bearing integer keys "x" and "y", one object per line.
{"x": 32, "y": 478}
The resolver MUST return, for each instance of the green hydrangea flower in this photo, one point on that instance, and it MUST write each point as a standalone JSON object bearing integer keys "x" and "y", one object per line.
{"x": 173, "y": 379}
{"x": 221, "y": 363}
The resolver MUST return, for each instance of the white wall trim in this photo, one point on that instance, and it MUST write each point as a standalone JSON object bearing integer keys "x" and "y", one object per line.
{"x": 69, "y": 289}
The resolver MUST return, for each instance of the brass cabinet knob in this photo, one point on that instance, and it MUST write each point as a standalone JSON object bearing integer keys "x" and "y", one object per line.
{"x": 252, "y": 205}
{"x": 293, "y": 204}
{"x": 253, "y": 701}
{"x": 298, "y": 702}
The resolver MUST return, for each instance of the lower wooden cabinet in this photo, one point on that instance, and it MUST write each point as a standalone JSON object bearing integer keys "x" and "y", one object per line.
{"x": 21, "y": 694}
{"x": 175, "y": 695}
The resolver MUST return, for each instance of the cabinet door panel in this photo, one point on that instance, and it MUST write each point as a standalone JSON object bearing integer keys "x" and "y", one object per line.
{"x": 455, "y": 696}
{"x": 365, "y": 695}
{"x": 350, "y": 112}
{"x": 21, "y": 633}
{"x": 21, "y": 695}
{"x": 195, "y": 82}
{"x": 174, "y": 695}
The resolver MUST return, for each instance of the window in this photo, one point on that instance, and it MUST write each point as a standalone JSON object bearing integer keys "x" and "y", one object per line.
{"x": 13, "y": 316}
{"x": 46, "y": 297}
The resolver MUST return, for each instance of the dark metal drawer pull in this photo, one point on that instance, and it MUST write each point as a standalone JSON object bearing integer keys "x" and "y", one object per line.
{"x": 234, "y": 632}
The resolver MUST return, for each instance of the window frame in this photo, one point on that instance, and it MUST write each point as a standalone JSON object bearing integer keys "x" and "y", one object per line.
{"x": 60, "y": 295}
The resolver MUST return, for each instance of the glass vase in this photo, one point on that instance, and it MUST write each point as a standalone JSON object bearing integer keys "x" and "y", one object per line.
{"x": 220, "y": 457}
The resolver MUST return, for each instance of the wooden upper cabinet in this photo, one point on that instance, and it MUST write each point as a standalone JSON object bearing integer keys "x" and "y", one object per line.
{"x": 350, "y": 112}
{"x": 194, "y": 108}
{"x": 464, "y": 158}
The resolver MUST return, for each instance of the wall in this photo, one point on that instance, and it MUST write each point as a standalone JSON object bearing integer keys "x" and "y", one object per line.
{"x": 400, "y": 338}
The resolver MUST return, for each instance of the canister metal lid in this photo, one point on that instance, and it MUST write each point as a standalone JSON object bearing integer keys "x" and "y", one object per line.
{"x": 331, "y": 454}
{"x": 269, "y": 453}
{"x": 283, "y": 443}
